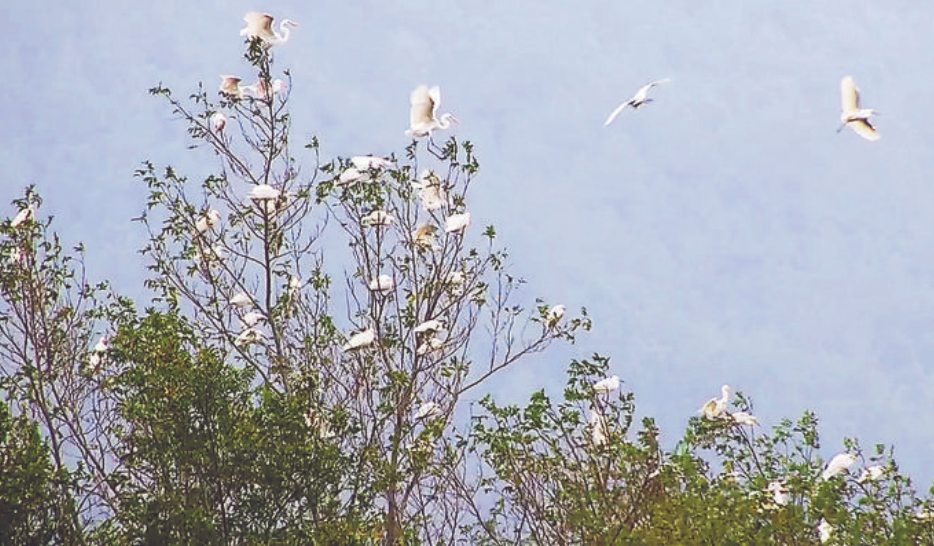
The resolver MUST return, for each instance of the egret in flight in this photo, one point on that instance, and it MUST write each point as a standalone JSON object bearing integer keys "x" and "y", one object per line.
{"x": 637, "y": 100}
{"x": 715, "y": 408}
{"x": 259, "y": 25}
{"x": 423, "y": 118}
{"x": 854, "y": 116}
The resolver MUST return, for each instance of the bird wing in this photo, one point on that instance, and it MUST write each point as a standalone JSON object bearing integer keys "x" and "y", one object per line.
{"x": 258, "y": 24}
{"x": 616, "y": 112}
{"x": 849, "y": 94}
{"x": 422, "y": 106}
{"x": 660, "y": 82}
{"x": 864, "y": 129}
{"x": 435, "y": 94}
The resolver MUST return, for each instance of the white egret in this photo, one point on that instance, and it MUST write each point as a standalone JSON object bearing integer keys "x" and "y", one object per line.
{"x": 743, "y": 418}
{"x": 424, "y": 237}
{"x": 429, "y": 410}
{"x": 240, "y": 300}
{"x": 423, "y": 118}
{"x": 260, "y": 91}
{"x": 230, "y": 85}
{"x": 360, "y": 340}
{"x": 248, "y": 336}
{"x": 430, "y": 192}
{"x": 251, "y": 319}
{"x": 208, "y": 221}
{"x": 367, "y": 162}
{"x": 637, "y": 100}
{"x": 825, "y": 530}
{"x": 554, "y": 315}
{"x": 715, "y": 408}
{"x": 854, "y": 116}
{"x": 218, "y": 122}
{"x": 606, "y": 386}
{"x": 263, "y": 192}
{"x": 871, "y": 473}
{"x": 598, "y": 427}
{"x": 382, "y": 284}
{"x": 377, "y": 218}
{"x": 99, "y": 353}
{"x": 23, "y": 216}
{"x": 457, "y": 222}
{"x": 840, "y": 463}
{"x": 780, "y": 494}
{"x": 430, "y": 326}
{"x": 455, "y": 278}
{"x": 295, "y": 284}
{"x": 219, "y": 252}
{"x": 260, "y": 25}
{"x": 432, "y": 344}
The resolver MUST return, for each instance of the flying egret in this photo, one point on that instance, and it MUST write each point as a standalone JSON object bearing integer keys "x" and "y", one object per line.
{"x": 825, "y": 530}
{"x": 743, "y": 418}
{"x": 218, "y": 122}
{"x": 23, "y": 216}
{"x": 780, "y": 494}
{"x": 423, "y": 118}
{"x": 208, "y": 221}
{"x": 377, "y": 218}
{"x": 606, "y": 386}
{"x": 840, "y": 463}
{"x": 230, "y": 85}
{"x": 554, "y": 316}
{"x": 429, "y": 410}
{"x": 432, "y": 344}
{"x": 457, "y": 222}
{"x": 715, "y": 408}
{"x": 382, "y": 284}
{"x": 240, "y": 300}
{"x": 871, "y": 473}
{"x": 360, "y": 340}
{"x": 637, "y": 100}
{"x": 259, "y": 25}
{"x": 424, "y": 237}
{"x": 854, "y": 116}
{"x": 262, "y": 192}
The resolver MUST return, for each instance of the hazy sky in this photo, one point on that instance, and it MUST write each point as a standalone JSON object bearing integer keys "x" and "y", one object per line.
{"x": 723, "y": 234}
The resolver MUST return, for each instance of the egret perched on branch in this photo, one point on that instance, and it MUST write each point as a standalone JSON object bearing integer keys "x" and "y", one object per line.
{"x": 606, "y": 386}
{"x": 424, "y": 237}
{"x": 23, "y": 216}
{"x": 240, "y": 300}
{"x": 637, "y": 100}
{"x": 208, "y": 221}
{"x": 263, "y": 192}
{"x": 218, "y": 122}
{"x": 554, "y": 315}
{"x": 429, "y": 410}
{"x": 230, "y": 85}
{"x": 840, "y": 463}
{"x": 429, "y": 326}
{"x": 457, "y": 222}
{"x": 367, "y": 162}
{"x": 360, "y": 340}
{"x": 871, "y": 473}
{"x": 259, "y": 25}
{"x": 743, "y": 418}
{"x": 260, "y": 91}
{"x": 425, "y": 347}
{"x": 715, "y": 408}
{"x": 377, "y": 218}
{"x": 854, "y": 116}
{"x": 382, "y": 284}
{"x": 430, "y": 192}
{"x": 423, "y": 118}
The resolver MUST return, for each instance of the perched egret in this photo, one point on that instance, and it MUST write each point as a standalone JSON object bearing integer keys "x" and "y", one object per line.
{"x": 377, "y": 218}
{"x": 598, "y": 427}
{"x": 251, "y": 319}
{"x": 382, "y": 284}
{"x": 218, "y": 122}
{"x": 367, "y": 162}
{"x": 259, "y": 25}
{"x": 430, "y": 345}
{"x": 262, "y": 192}
{"x": 429, "y": 326}
{"x": 423, "y": 118}
{"x": 554, "y": 316}
{"x": 260, "y": 91}
{"x": 715, "y": 408}
{"x": 871, "y": 473}
{"x": 23, "y": 216}
{"x": 230, "y": 85}
{"x": 455, "y": 278}
{"x": 248, "y": 336}
{"x": 607, "y": 385}
{"x": 99, "y": 353}
{"x": 780, "y": 494}
{"x": 240, "y": 300}
{"x": 743, "y": 418}
{"x": 825, "y": 530}
{"x": 295, "y": 284}
{"x": 429, "y": 410}
{"x": 424, "y": 236}
{"x": 854, "y": 116}
{"x": 430, "y": 192}
{"x": 360, "y": 340}
{"x": 637, "y": 100}
{"x": 840, "y": 463}
{"x": 208, "y": 221}
{"x": 457, "y": 222}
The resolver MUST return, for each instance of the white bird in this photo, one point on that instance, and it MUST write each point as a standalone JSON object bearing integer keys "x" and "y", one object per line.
{"x": 261, "y": 192}
{"x": 854, "y": 116}
{"x": 423, "y": 118}
{"x": 871, "y": 473}
{"x": 428, "y": 410}
{"x": 248, "y": 336}
{"x": 430, "y": 192}
{"x": 367, "y": 162}
{"x": 377, "y": 218}
{"x": 251, "y": 319}
{"x": 260, "y": 91}
{"x": 259, "y": 25}
{"x": 382, "y": 284}
{"x": 22, "y": 217}
{"x": 431, "y": 326}
{"x": 360, "y": 340}
{"x": 715, "y": 408}
{"x": 218, "y": 122}
{"x": 424, "y": 237}
{"x": 779, "y": 492}
{"x": 99, "y": 353}
{"x": 240, "y": 300}
{"x": 598, "y": 427}
{"x": 840, "y": 463}
{"x": 554, "y": 315}
{"x": 637, "y": 100}
{"x": 457, "y": 222}
{"x": 743, "y": 418}
{"x": 230, "y": 85}
{"x": 208, "y": 221}
{"x": 607, "y": 385}
{"x": 825, "y": 530}
{"x": 432, "y": 344}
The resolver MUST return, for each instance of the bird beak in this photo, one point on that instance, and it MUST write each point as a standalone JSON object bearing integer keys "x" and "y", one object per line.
{"x": 455, "y": 120}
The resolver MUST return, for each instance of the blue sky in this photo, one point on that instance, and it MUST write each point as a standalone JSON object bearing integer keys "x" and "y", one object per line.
{"x": 723, "y": 234}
